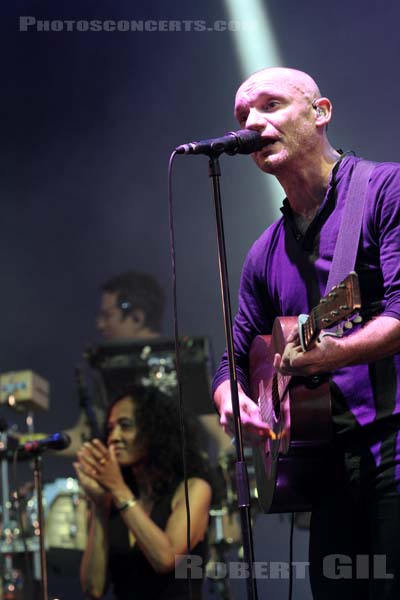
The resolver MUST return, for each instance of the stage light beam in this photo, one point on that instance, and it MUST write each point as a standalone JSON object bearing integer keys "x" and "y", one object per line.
{"x": 256, "y": 48}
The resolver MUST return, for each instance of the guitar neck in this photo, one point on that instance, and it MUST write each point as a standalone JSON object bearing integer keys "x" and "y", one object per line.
{"x": 308, "y": 330}
{"x": 342, "y": 301}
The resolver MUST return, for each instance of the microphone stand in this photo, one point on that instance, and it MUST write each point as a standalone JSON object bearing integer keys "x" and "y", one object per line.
{"x": 5, "y": 504}
{"x": 242, "y": 480}
{"x": 42, "y": 546}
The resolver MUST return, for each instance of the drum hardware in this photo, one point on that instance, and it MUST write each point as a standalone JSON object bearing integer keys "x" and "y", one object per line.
{"x": 22, "y": 391}
{"x": 11, "y": 580}
{"x": 11, "y": 584}
{"x": 12, "y": 539}
{"x": 65, "y": 511}
{"x": 65, "y": 508}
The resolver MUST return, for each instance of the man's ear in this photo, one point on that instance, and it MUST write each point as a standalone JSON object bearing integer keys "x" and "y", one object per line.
{"x": 323, "y": 110}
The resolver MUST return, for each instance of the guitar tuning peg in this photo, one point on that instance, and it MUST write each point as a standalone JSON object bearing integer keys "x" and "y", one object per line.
{"x": 357, "y": 319}
{"x": 339, "y": 331}
{"x": 348, "y": 325}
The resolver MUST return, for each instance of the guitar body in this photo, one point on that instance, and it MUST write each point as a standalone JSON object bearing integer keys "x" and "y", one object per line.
{"x": 298, "y": 410}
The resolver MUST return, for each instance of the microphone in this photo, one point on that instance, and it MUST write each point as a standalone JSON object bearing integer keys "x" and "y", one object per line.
{"x": 244, "y": 141}
{"x": 56, "y": 441}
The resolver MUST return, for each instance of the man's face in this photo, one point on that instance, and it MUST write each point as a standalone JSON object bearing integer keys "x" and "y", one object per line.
{"x": 111, "y": 321}
{"x": 275, "y": 104}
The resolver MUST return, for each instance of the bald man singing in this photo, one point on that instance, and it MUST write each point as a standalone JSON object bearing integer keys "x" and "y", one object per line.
{"x": 355, "y": 524}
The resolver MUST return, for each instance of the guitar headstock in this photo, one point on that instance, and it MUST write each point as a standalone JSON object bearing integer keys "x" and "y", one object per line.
{"x": 341, "y": 303}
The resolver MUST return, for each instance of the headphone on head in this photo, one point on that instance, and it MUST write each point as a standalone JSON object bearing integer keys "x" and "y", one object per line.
{"x": 318, "y": 110}
{"x": 126, "y": 307}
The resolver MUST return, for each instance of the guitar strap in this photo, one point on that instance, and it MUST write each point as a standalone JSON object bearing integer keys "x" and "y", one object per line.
{"x": 345, "y": 253}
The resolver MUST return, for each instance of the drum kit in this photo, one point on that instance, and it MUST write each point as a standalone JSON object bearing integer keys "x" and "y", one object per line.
{"x": 64, "y": 507}
{"x": 35, "y": 519}
{"x": 65, "y": 514}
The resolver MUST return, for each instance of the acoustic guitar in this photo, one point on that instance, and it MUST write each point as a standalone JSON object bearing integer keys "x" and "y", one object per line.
{"x": 297, "y": 409}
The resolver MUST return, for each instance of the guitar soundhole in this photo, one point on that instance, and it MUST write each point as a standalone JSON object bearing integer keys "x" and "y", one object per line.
{"x": 276, "y": 402}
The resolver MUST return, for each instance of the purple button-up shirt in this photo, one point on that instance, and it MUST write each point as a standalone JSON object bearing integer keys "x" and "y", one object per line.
{"x": 285, "y": 274}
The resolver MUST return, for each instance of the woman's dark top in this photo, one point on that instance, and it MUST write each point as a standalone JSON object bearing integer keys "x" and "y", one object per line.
{"x": 132, "y": 576}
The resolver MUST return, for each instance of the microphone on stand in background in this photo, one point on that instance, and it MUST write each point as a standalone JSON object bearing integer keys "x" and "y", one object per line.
{"x": 55, "y": 441}
{"x": 25, "y": 451}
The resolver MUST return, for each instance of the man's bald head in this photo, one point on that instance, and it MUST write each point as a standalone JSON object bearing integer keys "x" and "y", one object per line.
{"x": 285, "y": 77}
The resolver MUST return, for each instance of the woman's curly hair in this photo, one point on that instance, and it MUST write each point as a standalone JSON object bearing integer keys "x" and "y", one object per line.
{"x": 159, "y": 428}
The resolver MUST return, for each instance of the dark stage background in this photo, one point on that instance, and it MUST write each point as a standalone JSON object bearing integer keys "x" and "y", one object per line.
{"x": 88, "y": 122}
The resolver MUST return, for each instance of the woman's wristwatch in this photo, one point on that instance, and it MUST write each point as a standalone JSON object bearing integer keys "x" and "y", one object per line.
{"x": 121, "y": 507}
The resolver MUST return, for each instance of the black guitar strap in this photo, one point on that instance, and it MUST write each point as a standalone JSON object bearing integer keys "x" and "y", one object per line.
{"x": 345, "y": 253}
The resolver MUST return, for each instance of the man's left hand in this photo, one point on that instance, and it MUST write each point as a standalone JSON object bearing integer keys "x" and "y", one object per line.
{"x": 321, "y": 358}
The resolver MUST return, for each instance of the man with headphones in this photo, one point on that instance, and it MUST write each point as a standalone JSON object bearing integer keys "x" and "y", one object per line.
{"x": 131, "y": 308}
